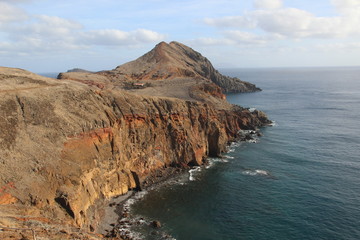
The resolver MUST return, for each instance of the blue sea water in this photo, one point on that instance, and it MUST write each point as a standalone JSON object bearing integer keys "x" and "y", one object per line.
{"x": 301, "y": 180}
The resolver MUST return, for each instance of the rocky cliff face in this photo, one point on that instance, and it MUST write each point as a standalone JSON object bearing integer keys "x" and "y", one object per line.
{"x": 67, "y": 146}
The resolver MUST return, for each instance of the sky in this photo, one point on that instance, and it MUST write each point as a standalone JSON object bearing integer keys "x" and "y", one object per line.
{"x": 54, "y": 36}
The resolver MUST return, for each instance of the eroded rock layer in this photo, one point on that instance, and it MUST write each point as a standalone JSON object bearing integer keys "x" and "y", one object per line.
{"x": 67, "y": 146}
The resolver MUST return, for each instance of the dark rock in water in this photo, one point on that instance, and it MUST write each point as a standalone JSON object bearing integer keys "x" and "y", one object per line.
{"x": 156, "y": 224}
{"x": 248, "y": 137}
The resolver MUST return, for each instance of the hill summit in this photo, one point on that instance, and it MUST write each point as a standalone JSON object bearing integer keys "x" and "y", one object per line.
{"x": 176, "y": 60}
{"x": 171, "y": 63}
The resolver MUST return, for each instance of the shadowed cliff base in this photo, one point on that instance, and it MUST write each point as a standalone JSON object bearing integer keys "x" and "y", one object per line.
{"x": 70, "y": 145}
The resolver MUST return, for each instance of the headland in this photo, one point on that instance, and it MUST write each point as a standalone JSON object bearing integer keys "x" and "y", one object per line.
{"x": 68, "y": 145}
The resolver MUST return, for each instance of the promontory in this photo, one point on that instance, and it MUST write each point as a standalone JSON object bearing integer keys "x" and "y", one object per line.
{"x": 69, "y": 144}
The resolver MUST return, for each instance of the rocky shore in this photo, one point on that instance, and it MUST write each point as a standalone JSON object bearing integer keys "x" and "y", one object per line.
{"x": 123, "y": 222}
{"x": 69, "y": 145}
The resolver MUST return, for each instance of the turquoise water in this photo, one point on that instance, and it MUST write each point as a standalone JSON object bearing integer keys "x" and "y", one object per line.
{"x": 301, "y": 180}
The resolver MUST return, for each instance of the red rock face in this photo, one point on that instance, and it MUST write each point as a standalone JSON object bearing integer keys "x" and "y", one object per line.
{"x": 5, "y": 197}
{"x": 66, "y": 149}
{"x": 210, "y": 89}
{"x": 144, "y": 135}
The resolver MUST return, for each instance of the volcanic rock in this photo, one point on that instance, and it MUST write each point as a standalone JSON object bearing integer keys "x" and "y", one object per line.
{"x": 156, "y": 224}
{"x": 166, "y": 63}
{"x": 175, "y": 60}
{"x": 66, "y": 146}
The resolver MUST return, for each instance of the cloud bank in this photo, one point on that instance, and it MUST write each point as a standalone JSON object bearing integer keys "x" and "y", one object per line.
{"x": 271, "y": 21}
{"x": 268, "y": 4}
{"x": 29, "y": 34}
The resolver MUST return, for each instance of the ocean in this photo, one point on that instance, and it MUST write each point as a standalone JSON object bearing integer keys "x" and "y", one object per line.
{"x": 300, "y": 180}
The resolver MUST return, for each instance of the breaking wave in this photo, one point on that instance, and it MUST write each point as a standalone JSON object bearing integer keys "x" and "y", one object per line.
{"x": 273, "y": 124}
{"x": 256, "y": 172}
{"x": 126, "y": 222}
{"x": 192, "y": 173}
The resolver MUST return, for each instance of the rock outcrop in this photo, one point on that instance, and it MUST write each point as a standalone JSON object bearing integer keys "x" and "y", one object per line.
{"x": 78, "y": 70}
{"x": 67, "y": 146}
{"x": 168, "y": 61}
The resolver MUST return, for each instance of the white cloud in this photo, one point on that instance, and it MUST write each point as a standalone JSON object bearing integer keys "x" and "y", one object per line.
{"x": 231, "y": 21}
{"x": 240, "y": 37}
{"x": 23, "y": 33}
{"x": 346, "y": 3}
{"x": 105, "y": 37}
{"x": 294, "y": 23}
{"x": 339, "y": 46}
{"x": 349, "y": 11}
{"x": 144, "y": 35}
{"x": 235, "y": 37}
{"x": 116, "y": 37}
{"x": 9, "y": 14}
{"x": 268, "y": 4}
{"x": 49, "y": 27}
{"x": 210, "y": 42}
{"x": 283, "y": 21}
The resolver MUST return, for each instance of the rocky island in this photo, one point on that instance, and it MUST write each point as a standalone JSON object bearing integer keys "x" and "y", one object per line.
{"x": 69, "y": 144}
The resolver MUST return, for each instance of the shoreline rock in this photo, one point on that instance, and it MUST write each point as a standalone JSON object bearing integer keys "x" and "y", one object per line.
{"x": 161, "y": 178}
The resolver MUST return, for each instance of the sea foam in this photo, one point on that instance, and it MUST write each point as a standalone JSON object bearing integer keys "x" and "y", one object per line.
{"x": 256, "y": 172}
{"x": 192, "y": 173}
{"x": 273, "y": 124}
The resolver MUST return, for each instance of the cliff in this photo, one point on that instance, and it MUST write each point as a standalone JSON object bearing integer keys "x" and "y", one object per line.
{"x": 67, "y": 146}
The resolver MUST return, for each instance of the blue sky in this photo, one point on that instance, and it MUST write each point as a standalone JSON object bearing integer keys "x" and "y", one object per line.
{"x": 54, "y": 36}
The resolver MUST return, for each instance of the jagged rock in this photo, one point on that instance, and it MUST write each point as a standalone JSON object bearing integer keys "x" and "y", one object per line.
{"x": 156, "y": 224}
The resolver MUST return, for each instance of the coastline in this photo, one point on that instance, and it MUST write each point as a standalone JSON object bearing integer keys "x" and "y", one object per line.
{"x": 121, "y": 221}
{"x": 69, "y": 164}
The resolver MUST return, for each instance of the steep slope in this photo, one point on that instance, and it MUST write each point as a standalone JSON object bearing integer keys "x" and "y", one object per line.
{"x": 168, "y": 61}
{"x": 164, "y": 62}
{"x": 66, "y": 147}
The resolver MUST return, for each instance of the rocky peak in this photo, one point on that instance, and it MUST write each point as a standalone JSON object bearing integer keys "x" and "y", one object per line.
{"x": 176, "y": 60}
